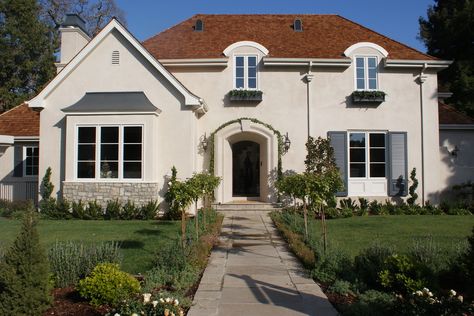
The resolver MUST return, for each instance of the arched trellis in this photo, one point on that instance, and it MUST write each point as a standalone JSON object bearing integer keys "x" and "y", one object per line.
{"x": 253, "y": 120}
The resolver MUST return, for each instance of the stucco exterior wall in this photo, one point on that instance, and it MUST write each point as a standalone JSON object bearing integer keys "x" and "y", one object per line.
{"x": 456, "y": 166}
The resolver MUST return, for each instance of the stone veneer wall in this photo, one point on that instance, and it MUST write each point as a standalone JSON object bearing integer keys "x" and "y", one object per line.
{"x": 138, "y": 192}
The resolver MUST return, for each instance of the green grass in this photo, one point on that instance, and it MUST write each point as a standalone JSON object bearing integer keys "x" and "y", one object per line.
{"x": 356, "y": 233}
{"x": 140, "y": 240}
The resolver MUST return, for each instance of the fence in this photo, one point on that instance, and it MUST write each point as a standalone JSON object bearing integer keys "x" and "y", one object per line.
{"x": 19, "y": 191}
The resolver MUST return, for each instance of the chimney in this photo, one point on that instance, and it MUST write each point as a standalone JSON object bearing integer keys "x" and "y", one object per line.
{"x": 73, "y": 38}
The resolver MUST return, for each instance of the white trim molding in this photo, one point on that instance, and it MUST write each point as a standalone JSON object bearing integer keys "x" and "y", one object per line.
{"x": 38, "y": 102}
{"x": 230, "y": 48}
{"x": 6, "y": 140}
{"x": 423, "y": 64}
{"x": 195, "y": 62}
{"x": 356, "y": 46}
{"x": 314, "y": 62}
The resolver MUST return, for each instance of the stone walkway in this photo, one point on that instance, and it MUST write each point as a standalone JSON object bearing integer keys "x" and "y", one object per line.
{"x": 252, "y": 272}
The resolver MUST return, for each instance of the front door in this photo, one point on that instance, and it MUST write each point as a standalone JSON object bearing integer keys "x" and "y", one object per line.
{"x": 246, "y": 169}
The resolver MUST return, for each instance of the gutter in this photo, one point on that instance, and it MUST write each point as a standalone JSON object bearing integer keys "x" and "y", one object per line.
{"x": 314, "y": 62}
{"x": 423, "y": 64}
{"x": 26, "y": 138}
{"x": 458, "y": 127}
{"x": 198, "y": 62}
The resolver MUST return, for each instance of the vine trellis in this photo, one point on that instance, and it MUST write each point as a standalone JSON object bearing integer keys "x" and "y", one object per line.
{"x": 253, "y": 120}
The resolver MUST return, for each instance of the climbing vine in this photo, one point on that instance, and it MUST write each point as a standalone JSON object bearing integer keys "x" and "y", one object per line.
{"x": 253, "y": 120}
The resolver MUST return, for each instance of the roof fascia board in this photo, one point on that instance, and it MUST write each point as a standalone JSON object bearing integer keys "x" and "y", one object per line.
{"x": 408, "y": 63}
{"x": 315, "y": 62}
{"x": 456, "y": 126}
{"x": 198, "y": 62}
{"x": 37, "y": 102}
{"x": 6, "y": 140}
{"x": 156, "y": 113}
{"x": 26, "y": 138}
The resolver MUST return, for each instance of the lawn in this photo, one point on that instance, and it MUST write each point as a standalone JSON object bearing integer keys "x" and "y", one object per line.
{"x": 356, "y": 233}
{"x": 140, "y": 240}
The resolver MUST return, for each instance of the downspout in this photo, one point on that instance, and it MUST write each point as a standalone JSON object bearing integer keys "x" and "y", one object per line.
{"x": 421, "y": 79}
{"x": 309, "y": 77}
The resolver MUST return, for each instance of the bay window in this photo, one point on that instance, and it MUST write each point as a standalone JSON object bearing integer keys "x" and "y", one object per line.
{"x": 109, "y": 152}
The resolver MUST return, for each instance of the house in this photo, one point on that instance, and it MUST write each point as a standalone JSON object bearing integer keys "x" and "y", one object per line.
{"x": 236, "y": 95}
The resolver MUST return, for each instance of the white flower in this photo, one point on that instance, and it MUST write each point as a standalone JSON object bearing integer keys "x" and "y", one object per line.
{"x": 154, "y": 303}
{"x": 167, "y": 300}
{"x": 116, "y": 314}
{"x": 425, "y": 290}
{"x": 176, "y": 302}
{"x": 419, "y": 293}
{"x": 162, "y": 300}
{"x": 431, "y": 300}
{"x": 146, "y": 297}
{"x": 460, "y": 298}
{"x": 170, "y": 183}
{"x": 430, "y": 294}
{"x": 134, "y": 314}
{"x": 452, "y": 292}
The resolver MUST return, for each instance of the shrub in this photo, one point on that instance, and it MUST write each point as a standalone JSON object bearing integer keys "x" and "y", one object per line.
{"x": 467, "y": 262}
{"x": 348, "y": 204}
{"x": 24, "y": 279}
{"x": 93, "y": 211}
{"x": 150, "y": 210}
{"x": 332, "y": 213}
{"x": 78, "y": 210}
{"x": 424, "y": 302}
{"x": 63, "y": 209}
{"x": 112, "y": 210}
{"x": 108, "y": 285}
{"x": 412, "y": 189}
{"x": 129, "y": 210}
{"x": 341, "y": 287}
{"x": 363, "y": 204}
{"x": 370, "y": 262}
{"x": 376, "y": 208}
{"x": 401, "y": 275}
{"x": 150, "y": 304}
{"x": 334, "y": 264}
{"x": 13, "y": 209}
{"x": 373, "y": 303}
{"x": 346, "y": 212}
{"x": 71, "y": 261}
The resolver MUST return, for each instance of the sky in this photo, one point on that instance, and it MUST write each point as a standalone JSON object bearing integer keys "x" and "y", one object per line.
{"x": 395, "y": 19}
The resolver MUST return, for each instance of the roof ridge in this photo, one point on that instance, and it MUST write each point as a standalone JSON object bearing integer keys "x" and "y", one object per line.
{"x": 385, "y": 36}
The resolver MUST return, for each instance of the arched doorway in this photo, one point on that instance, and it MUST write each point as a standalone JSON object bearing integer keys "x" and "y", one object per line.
{"x": 243, "y": 179}
{"x": 246, "y": 169}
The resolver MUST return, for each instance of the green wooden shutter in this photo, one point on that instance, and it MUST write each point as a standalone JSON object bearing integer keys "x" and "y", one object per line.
{"x": 18, "y": 161}
{"x": 397, "y": 164}
{"x": 339, "y": 144}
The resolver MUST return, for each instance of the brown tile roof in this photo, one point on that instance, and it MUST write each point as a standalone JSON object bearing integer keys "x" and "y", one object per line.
{"x": 323, "y": 36}
{"x": 449, "y": 115}
{"x": 20, "y": 121}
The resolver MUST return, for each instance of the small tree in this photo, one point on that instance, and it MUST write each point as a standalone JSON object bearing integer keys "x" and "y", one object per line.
{"x": 47, "y": 204}
{"x": 173, "y": 211}
{"x": 24, "y": 273}
{"x": 412, "y": 189}
{"x": 196, "y": 187}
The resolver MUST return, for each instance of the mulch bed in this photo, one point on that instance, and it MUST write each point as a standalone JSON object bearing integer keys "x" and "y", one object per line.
{"x": 67, "y": 302}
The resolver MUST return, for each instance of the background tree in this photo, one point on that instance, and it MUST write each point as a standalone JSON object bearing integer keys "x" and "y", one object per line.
{"x": 24, "y": 273}
{"x": 448, "y": 34}
{"x": 26, "y": 54}
{"x": 96, "y": 13}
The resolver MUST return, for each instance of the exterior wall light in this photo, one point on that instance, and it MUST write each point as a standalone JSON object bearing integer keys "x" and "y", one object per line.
{"x": 204, "y": 142}
{"x": 287, "y": 142}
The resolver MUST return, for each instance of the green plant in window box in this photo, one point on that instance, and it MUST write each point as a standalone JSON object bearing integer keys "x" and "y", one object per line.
{"x": 368, "y": 96}
{"x": 243, "y": 94}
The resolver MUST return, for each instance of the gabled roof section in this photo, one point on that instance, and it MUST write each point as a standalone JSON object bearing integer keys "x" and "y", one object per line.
{"x": 20, "y": 121}
{"x": 190, "y": 99}
{"x": 449, "y": 115}
{"x": 323, "y": 36}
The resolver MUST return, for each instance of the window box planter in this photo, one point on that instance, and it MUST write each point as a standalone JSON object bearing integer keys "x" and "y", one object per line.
{"x": 368, "y": 96}
{"x": 245, "y": 95}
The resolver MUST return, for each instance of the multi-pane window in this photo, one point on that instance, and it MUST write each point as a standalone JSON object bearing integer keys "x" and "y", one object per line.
{"x": 118, "y": 149}
{"x": 31, "y": 158}
{"x": 366, "y": 73}
{"x": 367, "y": 155}
{"x": 245, "y": 72}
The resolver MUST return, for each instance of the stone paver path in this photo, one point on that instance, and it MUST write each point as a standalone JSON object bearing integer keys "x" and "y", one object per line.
{"x": 253, "y": 272}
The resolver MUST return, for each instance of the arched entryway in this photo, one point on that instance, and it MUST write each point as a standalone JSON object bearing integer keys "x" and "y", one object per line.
{"x": 246, "y": 160}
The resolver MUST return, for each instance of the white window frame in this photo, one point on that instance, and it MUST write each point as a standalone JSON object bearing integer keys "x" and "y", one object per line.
{"x": 367, "y": 154}
{"x": 366, "y": 73}
{"x": 246, "y": 69}
{"x": 24, "y": 161}
{"x": 97, "y": 177}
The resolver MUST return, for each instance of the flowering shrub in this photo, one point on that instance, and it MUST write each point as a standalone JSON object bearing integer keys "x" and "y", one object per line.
{"x": 108, "y": 285}
{"x": 400, "y": 274}
{"x": 148, "y": 305}
{"x": 424, "y": 302}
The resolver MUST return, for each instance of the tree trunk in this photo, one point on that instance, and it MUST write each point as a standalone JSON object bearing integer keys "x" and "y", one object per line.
{"x": 183, "y": 228}
{"x": 305, "y": 214}
{"x": 196, "y": 219}
{"x": 324, "y": 227}
{"x": 204, "y": 211}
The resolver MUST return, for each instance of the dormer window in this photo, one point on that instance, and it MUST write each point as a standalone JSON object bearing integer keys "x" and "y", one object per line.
{"x": 245, "y": 72}
{"x": 366, "y": 73}
{"x": 199, "y": 26}
{"x": 298, "y": 25}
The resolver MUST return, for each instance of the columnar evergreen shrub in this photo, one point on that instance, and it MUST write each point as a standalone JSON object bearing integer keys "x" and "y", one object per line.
{"x": 412, "y": 189}
{"x": 24, "y": 273}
